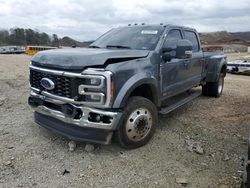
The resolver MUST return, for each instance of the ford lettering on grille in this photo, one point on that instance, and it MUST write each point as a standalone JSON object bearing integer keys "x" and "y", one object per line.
{"x": 47, "y": 83}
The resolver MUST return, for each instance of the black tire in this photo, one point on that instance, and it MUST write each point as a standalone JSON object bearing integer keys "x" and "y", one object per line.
{"x": 134, "y": 131}
{"x": 243, "y": 185}
{"x": 214, "y": 89}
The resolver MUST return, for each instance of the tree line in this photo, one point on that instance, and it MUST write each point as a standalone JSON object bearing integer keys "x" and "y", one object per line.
{"x": 23, "y": 37}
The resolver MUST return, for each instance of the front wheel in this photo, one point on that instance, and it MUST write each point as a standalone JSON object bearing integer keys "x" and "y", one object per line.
{"x": 214, "y": 89}
{"x": 138, "y": 124}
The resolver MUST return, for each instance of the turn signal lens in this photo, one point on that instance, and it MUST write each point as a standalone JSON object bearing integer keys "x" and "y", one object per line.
{"x": 112, "y": 89}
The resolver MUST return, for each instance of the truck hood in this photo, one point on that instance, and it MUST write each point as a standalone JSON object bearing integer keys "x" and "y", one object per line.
{"x": 80, "y": 58}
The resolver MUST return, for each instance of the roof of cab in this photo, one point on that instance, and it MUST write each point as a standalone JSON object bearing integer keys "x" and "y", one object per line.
{"x": 161, "y": 24}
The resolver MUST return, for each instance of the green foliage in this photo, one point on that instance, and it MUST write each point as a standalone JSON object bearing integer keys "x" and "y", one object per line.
{"x": 20, "y": 36}
{"x": 23, "y": 37}
{"x": 55, "y": 40}
{"x": 4, "y": 34}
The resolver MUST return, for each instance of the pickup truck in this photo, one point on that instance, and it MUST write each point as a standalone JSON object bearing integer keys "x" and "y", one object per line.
{"x": 116, "y": 87}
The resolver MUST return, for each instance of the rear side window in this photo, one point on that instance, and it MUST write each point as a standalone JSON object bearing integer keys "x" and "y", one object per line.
{"x": 191, "y": 36}
{"x": 172, "y": 39}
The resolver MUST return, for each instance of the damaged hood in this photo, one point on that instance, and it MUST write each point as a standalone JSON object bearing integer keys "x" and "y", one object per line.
{"x": 79, "y": 58}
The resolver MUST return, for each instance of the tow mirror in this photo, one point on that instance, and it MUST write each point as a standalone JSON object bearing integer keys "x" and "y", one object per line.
{"x": 168, "y": 53}
{"x": 184, "y": 49}
{"x": 167, "y": 56}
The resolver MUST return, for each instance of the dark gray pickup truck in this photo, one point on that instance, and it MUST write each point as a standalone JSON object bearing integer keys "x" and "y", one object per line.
{"x": 117, "y": 86}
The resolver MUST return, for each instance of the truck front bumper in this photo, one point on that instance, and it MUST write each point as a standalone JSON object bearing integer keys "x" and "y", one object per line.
{"x": 78, "y": 123}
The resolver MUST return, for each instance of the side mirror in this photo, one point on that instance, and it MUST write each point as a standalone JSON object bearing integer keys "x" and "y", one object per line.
{"x": 184, "y": 49}
{"x": 168, "y": 53}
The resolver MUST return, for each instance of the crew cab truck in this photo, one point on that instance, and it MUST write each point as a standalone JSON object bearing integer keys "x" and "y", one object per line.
{"x": 116, "y": 87}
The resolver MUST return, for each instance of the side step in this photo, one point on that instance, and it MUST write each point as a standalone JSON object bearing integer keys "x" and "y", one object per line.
{"x": 179, "y": 103}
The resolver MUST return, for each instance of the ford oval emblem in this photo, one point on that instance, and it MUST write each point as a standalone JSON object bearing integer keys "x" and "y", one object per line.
{"x": 47, "y": 83}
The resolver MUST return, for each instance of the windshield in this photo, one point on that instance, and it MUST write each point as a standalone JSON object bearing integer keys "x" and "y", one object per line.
{"x": 138, "y": 37}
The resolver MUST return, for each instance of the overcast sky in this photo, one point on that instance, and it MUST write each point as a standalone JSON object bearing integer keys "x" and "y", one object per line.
{"x": 87, "y": 19}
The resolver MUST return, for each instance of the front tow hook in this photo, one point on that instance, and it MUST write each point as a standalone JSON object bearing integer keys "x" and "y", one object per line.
{"x": 69, "y": 110}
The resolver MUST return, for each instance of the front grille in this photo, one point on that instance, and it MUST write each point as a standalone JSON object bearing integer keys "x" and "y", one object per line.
{"x": 88, "y": 88}
{"x": 64, "y": 86}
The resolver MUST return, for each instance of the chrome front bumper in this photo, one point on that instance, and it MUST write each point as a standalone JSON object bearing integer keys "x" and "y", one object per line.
{"x": 83, "y": 121}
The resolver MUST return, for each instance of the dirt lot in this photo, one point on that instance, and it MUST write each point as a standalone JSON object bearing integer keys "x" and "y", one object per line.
{"x": 31, "y": 156}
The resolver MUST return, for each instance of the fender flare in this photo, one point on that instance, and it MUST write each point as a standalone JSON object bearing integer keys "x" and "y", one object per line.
{"x": 214, "y": 76}
{"x": 131, "y": 84}
{"x": 222, "y": 64}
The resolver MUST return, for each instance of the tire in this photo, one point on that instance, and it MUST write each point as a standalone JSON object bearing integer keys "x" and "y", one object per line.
{"x": 138, "y": 123}
{"x": 243, "y": 185}
{"x": 214, "y": 89}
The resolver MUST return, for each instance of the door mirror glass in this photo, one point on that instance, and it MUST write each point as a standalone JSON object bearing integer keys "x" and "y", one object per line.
{"x": 169, "y": 54}
{"x": 167, "y": 49}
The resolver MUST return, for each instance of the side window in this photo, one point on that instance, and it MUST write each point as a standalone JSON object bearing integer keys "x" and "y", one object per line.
{"x": 191, "y": 36}
{"x": 173, "y": 37}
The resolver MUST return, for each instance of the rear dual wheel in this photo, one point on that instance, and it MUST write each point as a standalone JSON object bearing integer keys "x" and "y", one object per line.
{"x": 138, "y": 124}
{"x": 214, "y": 89}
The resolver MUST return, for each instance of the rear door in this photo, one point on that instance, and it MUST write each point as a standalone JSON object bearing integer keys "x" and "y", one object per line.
{"x": 196, "y": 62}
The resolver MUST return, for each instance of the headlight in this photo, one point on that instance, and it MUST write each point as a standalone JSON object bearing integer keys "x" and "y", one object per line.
{"x": 96, "y": 98}
{"x": 92, "y": 84}
{"x": 95, "y": 88}
{"x": 93, "y": 81}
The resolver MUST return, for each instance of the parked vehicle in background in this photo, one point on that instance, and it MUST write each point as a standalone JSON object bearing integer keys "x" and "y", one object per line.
{"x": 121, "y": 82}
{"x": 32, "y": 50}
{"x": 12, "y": 49}
{"x": 238, "y": 66}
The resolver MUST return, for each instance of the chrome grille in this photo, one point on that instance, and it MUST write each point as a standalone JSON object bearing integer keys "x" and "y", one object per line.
{"x": 76, "y": 88}
{"x": 63, "y": 85}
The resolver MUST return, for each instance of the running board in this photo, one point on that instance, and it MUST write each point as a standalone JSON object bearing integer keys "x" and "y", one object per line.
{"x": 167, "y": 109}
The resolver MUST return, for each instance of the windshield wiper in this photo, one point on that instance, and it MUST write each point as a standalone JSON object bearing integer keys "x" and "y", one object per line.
{"x": 93, "y": 46}
{"x": 118, "y": 46}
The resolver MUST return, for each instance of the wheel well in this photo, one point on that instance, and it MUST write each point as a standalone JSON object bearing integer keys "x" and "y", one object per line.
{"x": 146, "y": 91}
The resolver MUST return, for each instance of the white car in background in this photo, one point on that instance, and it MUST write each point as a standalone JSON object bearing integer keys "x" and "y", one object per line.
{"x": 239, "y": 66}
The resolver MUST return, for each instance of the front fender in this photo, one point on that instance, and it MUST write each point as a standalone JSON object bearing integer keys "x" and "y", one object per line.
{"x": 132, "y": 84}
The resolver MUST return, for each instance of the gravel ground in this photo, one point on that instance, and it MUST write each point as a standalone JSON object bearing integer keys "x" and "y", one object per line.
{"x": 30, "y": 156}
{"x": 240, "y": 55}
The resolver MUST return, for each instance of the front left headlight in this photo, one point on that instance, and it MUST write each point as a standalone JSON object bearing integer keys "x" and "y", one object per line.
{"x": 94, "y": 88}
{"x": 95, "y": 81}
{"x": 92, "y": 84}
